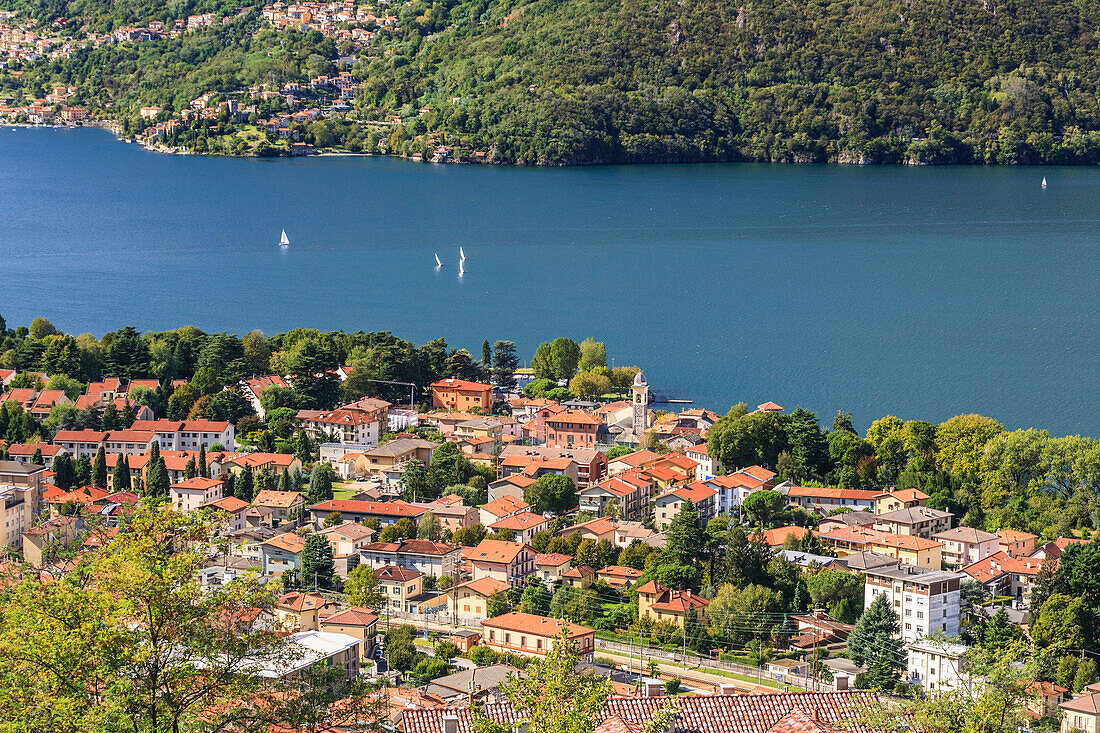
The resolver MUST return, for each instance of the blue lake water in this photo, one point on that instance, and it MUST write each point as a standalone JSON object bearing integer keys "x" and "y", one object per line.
{"x": 919, "y": 292}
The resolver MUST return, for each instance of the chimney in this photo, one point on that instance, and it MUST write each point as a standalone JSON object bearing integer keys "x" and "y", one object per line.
{"x": 450, "y": 724}
{"x": 725, "y": 688}
{"x": 652, "y": 687}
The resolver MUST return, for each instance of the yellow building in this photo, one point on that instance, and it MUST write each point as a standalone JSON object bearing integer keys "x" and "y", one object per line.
{"x": 471, "y": 599}
{"x": 659, "y": 603}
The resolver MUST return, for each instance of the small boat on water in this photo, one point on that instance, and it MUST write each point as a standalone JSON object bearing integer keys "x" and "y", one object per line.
{"x": 462, "y": 255}
{"x": 461, "y": 269}
{"x": 1044, "y": 181}
{"x": 438, "y": 262}
{"x": 284, "y": 240}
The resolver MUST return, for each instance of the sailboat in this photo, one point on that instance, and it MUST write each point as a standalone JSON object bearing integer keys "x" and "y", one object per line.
{"x": 461, "y": 269}
{"x": 284, "y": 240}
{"x": 462, "y": 255}
{"x": 438, "y": 262}
{"x": 1044, "y": 181}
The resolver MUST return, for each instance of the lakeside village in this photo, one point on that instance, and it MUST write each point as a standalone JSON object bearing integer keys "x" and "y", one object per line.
{"x": 290, "y": 106}
{"x": 448, "y": 546}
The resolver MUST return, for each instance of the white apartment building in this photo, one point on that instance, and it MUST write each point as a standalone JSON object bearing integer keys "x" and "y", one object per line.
{"x": 189, "y": 495}
{"x": 966, "y": 545}
{"x": 344, "y": 426}
{"x": 189, "y": 434}
{"x": 925, "y": 600}
{"x": 938, "y": 666}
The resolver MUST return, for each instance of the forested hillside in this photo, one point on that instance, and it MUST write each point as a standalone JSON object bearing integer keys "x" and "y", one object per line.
{"x": 781, "y": 80}
{"x": 591, "y": 81}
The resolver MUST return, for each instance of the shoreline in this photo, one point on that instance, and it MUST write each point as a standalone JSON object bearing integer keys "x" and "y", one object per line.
{"x": 332, "y": 153}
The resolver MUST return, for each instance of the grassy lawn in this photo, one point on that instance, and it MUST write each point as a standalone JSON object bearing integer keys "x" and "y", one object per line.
{"x": 342, "y": 491}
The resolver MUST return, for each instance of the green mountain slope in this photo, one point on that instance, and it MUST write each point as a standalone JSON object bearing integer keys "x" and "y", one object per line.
{"x": 588, "y": 81}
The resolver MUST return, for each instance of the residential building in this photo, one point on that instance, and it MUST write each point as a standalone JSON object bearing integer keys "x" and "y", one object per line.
{"x": 24, "y": 452}
{"x": 523, "y": 525}
{"x": 470, "y": 600}
{"x": 618, "y": 576}
{"x": 916, "y": 551}
{"x": 190, "y": 434}
{"x": 460, "y": 395}
{"x": 254, "y": 387}
{"x": 235, "y": 508}
{"x": 343, "y": 426}
{"x": 399, "y": 586}
{"x": 301, "y": 610}
{"x": 638, "y": 459}
{"x": 88, "y": 442}
{"x": 346, "y": 540}
{"x": 668, "y": 505}
{"x": 918, "y": 521}
{"x": 826, "y": 500}
{"x": 335, "y": 651}
{"x": 535, "y": 465}
{"x": 572, "y": 429}
{"x": 533, "y": 636}
{"x": 504, "y": 507}
{"x": 425, "y": 556}
{"x": 892, "y": 501}
{"x": 357, "y": 622}
{"x": 706, "y": 466}
{"x": 510, "y": 562}
{"x": 390, "y": 458}
{"x": 1081, "y": 713}
{"x": 630, "y": 491}
{"x": 659, "y": 603}
{"x": 193, "y": 493}
{"x": 480, "y": 684}
{"x": 591, "y": 464}
{"x": 1003, "y": 575}
{"x": 512, "y": 486}
{"x": 965, "y": 545}
{"x": 600, "y": 528}
{"x": 352, "y": 510}
{"x": 281, "y": 553}
{"x": 579, "y": 576}
{"x": 550, "y": 567}
{"x": 779, "y": 536}
{"x": 273, "y": 463}
{"x": 925, "y": 600}
{"x": 284, "y": 505}
{"x": 1017, "y": 544}
{"x": 59, "y": 530}
{"x": 453, "y": 516}
{"x": 938, "y": 666}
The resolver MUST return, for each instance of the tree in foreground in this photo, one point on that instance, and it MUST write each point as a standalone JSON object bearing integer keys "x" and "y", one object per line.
{"x": 127, "y": 640}
{"x": 874, "y": 642}
{"x": 552, "y": 697}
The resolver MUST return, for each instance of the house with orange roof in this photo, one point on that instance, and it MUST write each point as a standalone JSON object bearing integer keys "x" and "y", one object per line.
{"x": 735, "y": 487}
{"x": 45, "y": 400}
{"x": 506, "y": 506}
{"x": 629, "y": 490}
{"x": 707, "y": 465}
{"x": 966, "y": 545}
{"x": 512, "y": 486}
{"x": 779, "y": 536}
{"x": 909, "y": 550}
{"x": 572, "y": 429}
{"x": 1081, "y": 713}
{"x": 827, "y": 499}
{"x": 190, "y": 434}
{"x": 891, "y": 501}
{"x": 638, "y": 459}
{"x": 510, "y": 562}
{"x": 470, "y": 600}
{"x": 400, "y": 586}
{"x": 341, "y": 426}
{"x": 668, "y": 505}
{"x": 524, "y": 525}
{"x": 767, "y": 407}
{"x": 301, "y": 610}
{"x": 354, "y": 510}
{"x": 281, "y": 553}
{"x": 354, "y": 621}
{"x": 59, "y": 530}
{"x": 618, "y": 576}
{"x": 461, "y": 395}
{"x": 537, "y": 465}
{"x": 551, "y": 566}
{"x": 426, "y": 556}
{"x": 275, "y": 463}
{"x": 659, "y": 603}
{"x": 190, "y": 494}
{"x": 600, "y": 528}
{"x": 1015, "y": 543}
{"x": 1004, "y": 575}
{"x": 534, "y": 636}
{"x": 579, "y": 576}
{"x": 591, "y": 464}
{"x": 284, "y": 505}
{"x": 251, "y": 389}
{"x": 234, "y": 507}
{"x": 24, "y": 452}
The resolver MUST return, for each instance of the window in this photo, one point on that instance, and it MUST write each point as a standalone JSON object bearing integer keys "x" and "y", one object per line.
{"x": 523, "y": 641}
{"x": 507, "y": 638}
{"x": 538, "y": 644}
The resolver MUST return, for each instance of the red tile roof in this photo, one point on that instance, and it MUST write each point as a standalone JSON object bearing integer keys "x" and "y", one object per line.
{"x": 380, "y": 508}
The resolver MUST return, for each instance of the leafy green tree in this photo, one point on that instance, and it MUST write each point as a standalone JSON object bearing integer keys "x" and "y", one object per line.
{"x": 418, "y": 481}
{"x": 401, "y": 648}
{"x": 535, "y": 599}
{"x": 320, "y": 484}
{"x": 593, "y": 354}
{"x": 839, "y": 591}
{"x": 565, "y": 355}
{"x": 469, "y": 536}
{"x": 363, "y": 588}
{"x": 551, "y": 493}
{"x": 763, "y": 506}
{"x": 126, "y": 354}
{"x": 543, "y": 364}
{"x": 429, "y": 527}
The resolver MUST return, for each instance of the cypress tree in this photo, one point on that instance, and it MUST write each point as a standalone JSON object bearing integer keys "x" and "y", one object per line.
{"x": 116, "y": 475}
{"x": 64, "y": 473}
{"x": 158, "y": 479}
{"x": 36, "y": 459}
{"x": 99, "y": 467}
{"x": 189, "y": 471}
{"x": 245, "y": 485}
{"x": 318, "y": 564}
{"x": 83, "y": 471}
{"x": 204, "y": 470}
{"x": 284, "y": 483}
{"x": 126, "y": 483}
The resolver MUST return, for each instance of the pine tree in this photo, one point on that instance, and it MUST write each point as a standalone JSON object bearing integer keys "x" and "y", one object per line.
{"x": 320, "y": 484}
{"x": 64, "y": 473}
{"x": 36, "y": 459}
{"x": 304, "y": 449}
{"x": 505, "y": 363}
{"x": 486, "y": 355}
{"x": 204, "y": 470}
{"x": 875, "y": 638}
{"x": 99, "y": 467}
{"x": 189, "y": 470}
{"x": 318, "y": 564}
{"x": 284, "y": 481}
{"x": 684, "y": 537}
{"x": 264, "y": 481}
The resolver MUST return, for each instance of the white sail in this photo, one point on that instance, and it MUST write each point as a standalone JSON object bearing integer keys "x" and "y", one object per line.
{"x": 284, "y": 240}
{"x": 461, "y": 269}
{"x": 462, "y": 255}
{"x": 438, "y": 262}
{"x": 1044, "y": 182}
